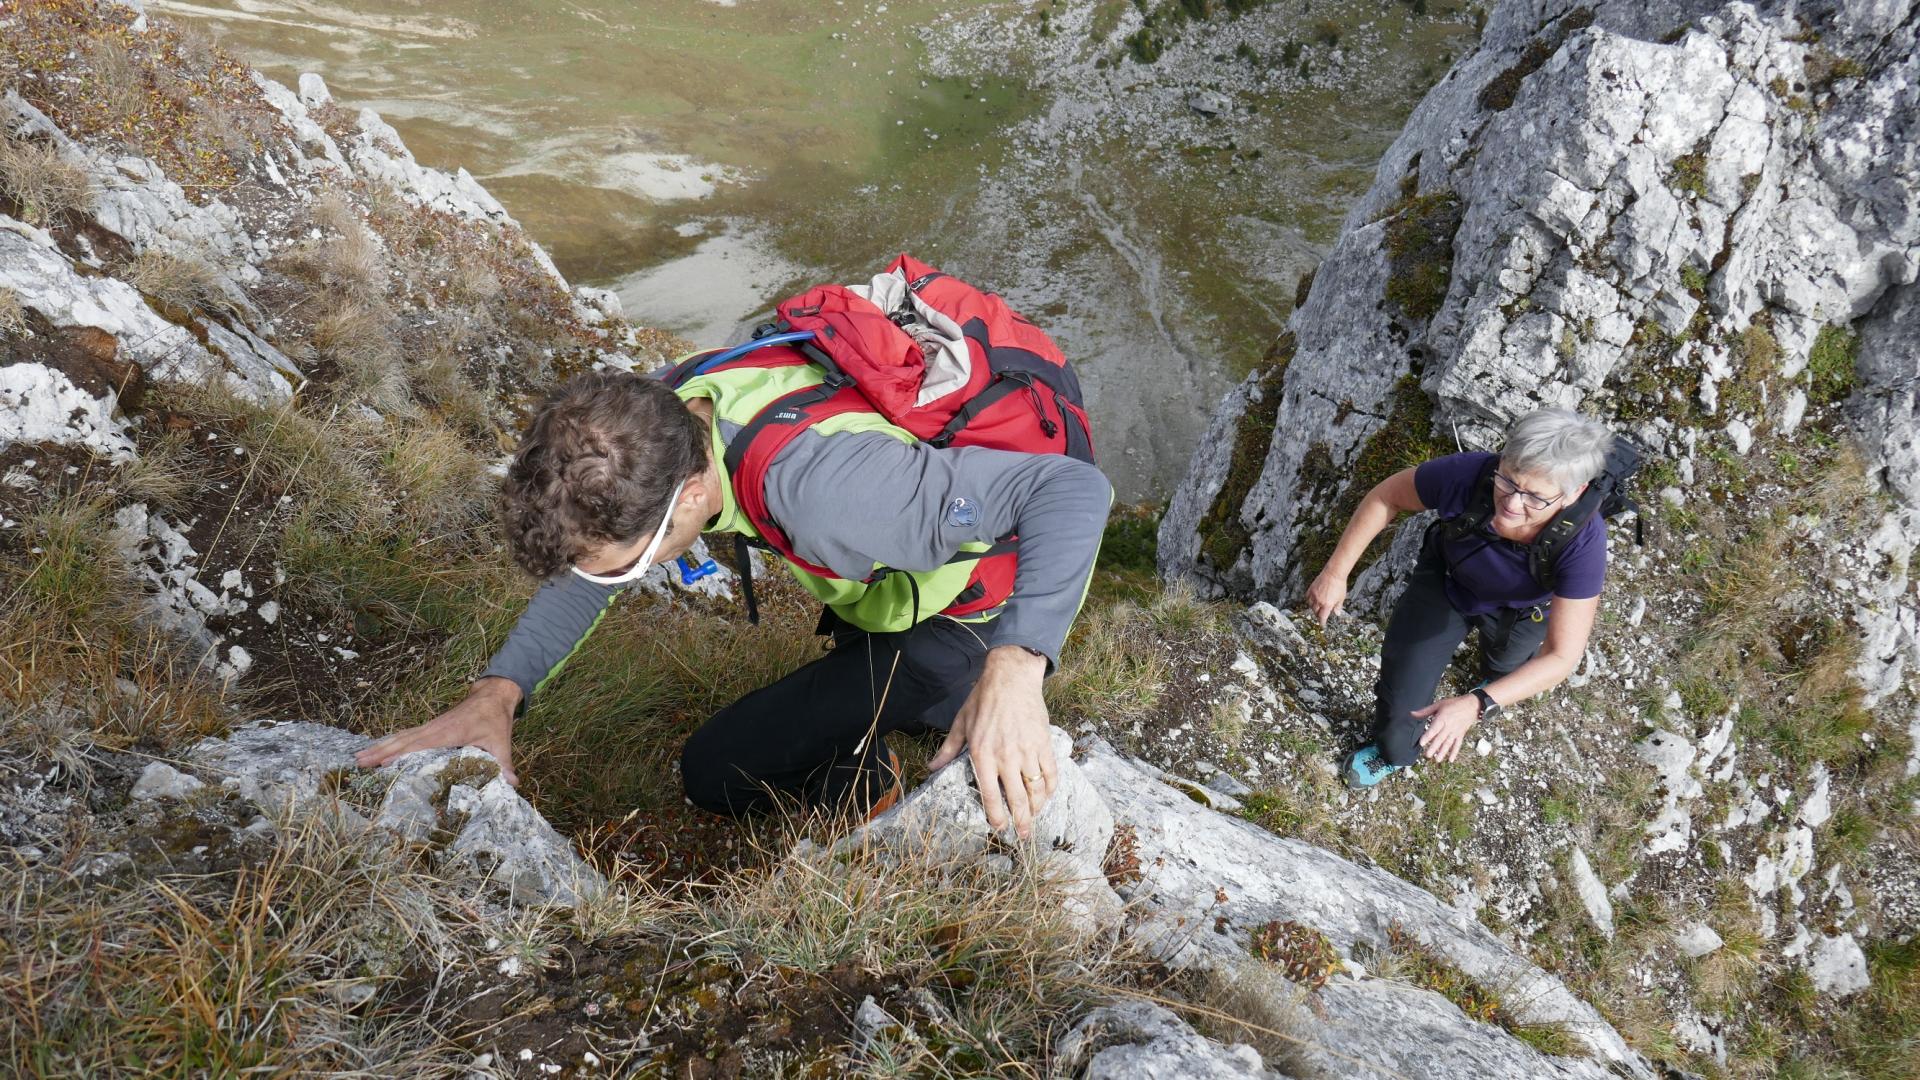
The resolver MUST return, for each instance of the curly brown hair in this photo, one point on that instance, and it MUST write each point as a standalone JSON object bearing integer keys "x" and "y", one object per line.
{"x": 596, "y": 466}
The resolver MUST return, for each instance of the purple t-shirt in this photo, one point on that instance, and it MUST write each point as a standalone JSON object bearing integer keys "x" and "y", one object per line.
{"x": 1489, "y": 572}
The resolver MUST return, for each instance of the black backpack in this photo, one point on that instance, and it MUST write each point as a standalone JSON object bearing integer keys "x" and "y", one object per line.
{"x": 1606, "y": 495}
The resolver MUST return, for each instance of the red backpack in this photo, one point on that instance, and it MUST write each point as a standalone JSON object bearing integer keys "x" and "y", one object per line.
{"x": 991, "y": 379}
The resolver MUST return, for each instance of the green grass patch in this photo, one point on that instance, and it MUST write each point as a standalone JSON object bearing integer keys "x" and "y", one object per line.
{"x": 1419, "y": 245}
{"x": 1831, "y": 365}
{"x": 1223, "y": 536}
{"x": 1405, "y": 440}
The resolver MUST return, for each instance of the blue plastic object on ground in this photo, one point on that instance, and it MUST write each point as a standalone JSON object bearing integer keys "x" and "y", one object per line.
{"x": 690, "y": 573}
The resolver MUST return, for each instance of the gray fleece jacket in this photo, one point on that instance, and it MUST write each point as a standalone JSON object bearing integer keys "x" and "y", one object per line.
{"x": 851, "y": 500}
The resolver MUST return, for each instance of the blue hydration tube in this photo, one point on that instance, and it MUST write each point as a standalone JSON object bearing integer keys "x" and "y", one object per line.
{"x": 689, "y": 573}
{"x": 790, "y": 338}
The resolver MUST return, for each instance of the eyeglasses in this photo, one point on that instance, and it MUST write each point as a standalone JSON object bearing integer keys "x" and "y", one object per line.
{"x": 1505, "y": 488}
{"x": 645, "y": 563}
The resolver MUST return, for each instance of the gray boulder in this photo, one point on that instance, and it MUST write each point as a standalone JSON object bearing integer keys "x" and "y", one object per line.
{"x": 160, "y": 780}
{"x": 454, "y": 798}
{"x": 1137, "y": 1040}
{"x": 1207, "y": 879}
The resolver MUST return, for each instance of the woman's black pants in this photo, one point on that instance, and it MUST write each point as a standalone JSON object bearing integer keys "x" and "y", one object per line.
{"x": 818, "y": 736}
{"x": 1421, "y": 638}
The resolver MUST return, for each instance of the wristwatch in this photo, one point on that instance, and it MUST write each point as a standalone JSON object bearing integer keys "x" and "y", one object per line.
{"x": 1489, "y": 708}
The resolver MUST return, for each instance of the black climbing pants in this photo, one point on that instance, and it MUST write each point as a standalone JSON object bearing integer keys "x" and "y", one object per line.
{"x": 1421, "y": 638}
{"x": 818, "y": 736}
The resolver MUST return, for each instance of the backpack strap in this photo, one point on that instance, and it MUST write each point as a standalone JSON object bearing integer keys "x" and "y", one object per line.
{"x": 1479, "y": 507}
{"x": 1543, "y": 555}
{"x": 752, "y": 449}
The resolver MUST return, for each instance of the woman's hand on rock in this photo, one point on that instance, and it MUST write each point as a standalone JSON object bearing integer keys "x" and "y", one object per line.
{"x": 1327, "y": 595}
{"x": 484, "y": 719}
{"x": 1447, "y": 724}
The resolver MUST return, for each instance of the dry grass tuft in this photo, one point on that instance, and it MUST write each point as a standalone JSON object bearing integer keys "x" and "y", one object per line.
{"x": 439, "y": 381}
{"x": 176, "y": 281}
{"x": 1253, "y": 1004}
{"x": 357, "y": 338}
{"x": 74, "y": 634}
{"x": 120, "y": 87}
{"x": 160, "y": 476}
{"x": 1724, "y": 980}
{"x": 345, "y": 260}
{"x": 1116, "y": 665}
{"x": 47, "y": 187}
{"x": 294, "y": 962}
{"x": 997, "y": 948}
{"x": 13, "y": 314}
{"x": 439, "y": 483}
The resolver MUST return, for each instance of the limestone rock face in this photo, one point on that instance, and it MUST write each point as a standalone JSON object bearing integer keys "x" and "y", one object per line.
{"x": 1206, "y": 881}
{"x": 1136, "y": 1039}
{"x": 455, "y": 796}
{"x": 942, "y": 818}
{"x": 1592, "y": 174}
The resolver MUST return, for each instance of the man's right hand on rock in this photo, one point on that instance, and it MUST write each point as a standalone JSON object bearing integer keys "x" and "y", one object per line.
{"x": 484, "y": 719}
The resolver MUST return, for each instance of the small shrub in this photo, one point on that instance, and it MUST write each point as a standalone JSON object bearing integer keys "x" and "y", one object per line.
{"x": 1305, "y": 954}
{"x": 46, "y": 187}
{"x": 1690, "y": 173}
{"x": 1426, "y": 969}
{"x": 1145, "y": 45}
{"x": 1122, "y": 862}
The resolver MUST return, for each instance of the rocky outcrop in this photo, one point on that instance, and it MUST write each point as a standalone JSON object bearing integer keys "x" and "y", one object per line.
{"x": 452, "y": 800}
{"x": 1134, "y": 1039}
{"x": 1198, "y": 889}
{"x": 1593, "y": 179}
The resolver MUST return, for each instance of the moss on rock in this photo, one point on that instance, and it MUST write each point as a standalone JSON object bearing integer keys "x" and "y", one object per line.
{"x": 1406, "y": 439}
{"x": 1419, "y": 242}
{"x": 1498, "y": 95}
{"x": 1223, "y": 536}
{"x": 1831, "y": 371}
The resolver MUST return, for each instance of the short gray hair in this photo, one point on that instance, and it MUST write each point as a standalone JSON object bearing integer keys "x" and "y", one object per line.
{"x": 1560, "y": 443}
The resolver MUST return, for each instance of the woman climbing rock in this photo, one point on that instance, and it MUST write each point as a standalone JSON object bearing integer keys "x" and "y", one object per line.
{"x": 1519, "y": 553}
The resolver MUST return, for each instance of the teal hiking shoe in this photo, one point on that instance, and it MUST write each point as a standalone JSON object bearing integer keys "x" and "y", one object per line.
{"x": 1365, "y": 767}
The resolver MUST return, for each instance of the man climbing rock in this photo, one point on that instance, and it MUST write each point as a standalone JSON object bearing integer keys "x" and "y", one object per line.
{"x": 950, "y": 574}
